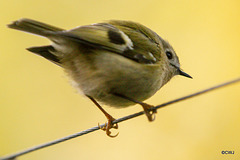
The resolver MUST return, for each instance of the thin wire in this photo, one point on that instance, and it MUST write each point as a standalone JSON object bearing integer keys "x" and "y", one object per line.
{"x": 15, "y": 155}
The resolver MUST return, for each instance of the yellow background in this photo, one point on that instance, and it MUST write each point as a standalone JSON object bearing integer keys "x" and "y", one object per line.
{"x": 38, "y": 105}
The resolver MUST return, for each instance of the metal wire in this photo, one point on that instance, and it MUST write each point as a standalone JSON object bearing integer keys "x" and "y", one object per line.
{"x": 15, "y": 155}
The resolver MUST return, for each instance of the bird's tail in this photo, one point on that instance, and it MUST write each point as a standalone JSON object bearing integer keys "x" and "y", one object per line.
{"x": 34, "y": 27}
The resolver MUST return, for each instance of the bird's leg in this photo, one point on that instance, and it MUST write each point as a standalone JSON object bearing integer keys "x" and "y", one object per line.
{"x": 148, "y": 109}
{"x": 110, "y": 119}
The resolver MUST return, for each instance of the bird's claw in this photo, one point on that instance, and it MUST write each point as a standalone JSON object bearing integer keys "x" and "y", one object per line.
{"x": 150, "y": 113}
{"x": 108, "y": 126}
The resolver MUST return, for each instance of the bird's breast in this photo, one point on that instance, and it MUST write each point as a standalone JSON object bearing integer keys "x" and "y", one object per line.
{"x": 102, "y": 74}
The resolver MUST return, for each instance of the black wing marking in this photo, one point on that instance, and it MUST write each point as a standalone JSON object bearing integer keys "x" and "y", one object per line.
{"x": 45, "y": 51}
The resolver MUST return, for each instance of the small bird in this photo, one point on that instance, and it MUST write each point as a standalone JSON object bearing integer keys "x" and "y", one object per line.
{"x": 118, "y": 63}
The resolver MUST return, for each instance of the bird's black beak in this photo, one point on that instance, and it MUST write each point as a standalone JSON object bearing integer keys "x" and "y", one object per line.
{"x": 180, "y": 72}
{"x": 183, "y": 73}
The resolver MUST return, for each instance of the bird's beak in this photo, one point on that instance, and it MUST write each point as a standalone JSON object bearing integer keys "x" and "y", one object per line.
{"x": 183, "y": 73}
{"x": 180, "y": 72}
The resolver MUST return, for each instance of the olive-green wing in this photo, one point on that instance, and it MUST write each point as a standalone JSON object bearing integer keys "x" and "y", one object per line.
{"x": 128, "y": 43}
{"x": 125, "y": 38}
{"x": 101, "y": 35}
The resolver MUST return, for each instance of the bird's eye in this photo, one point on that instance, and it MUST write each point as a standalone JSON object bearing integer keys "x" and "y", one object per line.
{"x": 169, "y": 54}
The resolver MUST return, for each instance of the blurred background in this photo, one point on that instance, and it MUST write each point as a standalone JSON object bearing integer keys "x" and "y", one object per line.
{"x": 38, "y": 105}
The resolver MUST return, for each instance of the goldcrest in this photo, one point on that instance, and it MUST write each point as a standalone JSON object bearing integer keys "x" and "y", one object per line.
{"x": 117, "y": 63}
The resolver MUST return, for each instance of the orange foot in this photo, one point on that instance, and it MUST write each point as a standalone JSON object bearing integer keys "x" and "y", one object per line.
{"x": 150, "y": 113}
{"x": 109, "y": 126}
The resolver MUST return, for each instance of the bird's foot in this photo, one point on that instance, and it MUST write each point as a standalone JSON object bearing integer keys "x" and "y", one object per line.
{"x": 149, "y": 111}
{"x": 109, "y": 126}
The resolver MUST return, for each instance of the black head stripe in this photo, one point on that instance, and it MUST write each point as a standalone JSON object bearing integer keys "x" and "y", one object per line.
{"x": 115, "y": 37}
